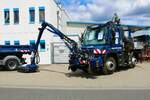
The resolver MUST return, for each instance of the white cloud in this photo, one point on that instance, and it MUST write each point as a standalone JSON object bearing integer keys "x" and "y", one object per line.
{"x": 131, "y": 11}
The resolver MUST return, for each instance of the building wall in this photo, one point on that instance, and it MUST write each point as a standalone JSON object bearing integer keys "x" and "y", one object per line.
{"x": 26, "y": 31}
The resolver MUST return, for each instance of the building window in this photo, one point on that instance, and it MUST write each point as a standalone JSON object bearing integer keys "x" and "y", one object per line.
{"x": 6, "y": 16}
{"x": 32, "y": 14}
{"x": 42, "y": 45}
{"x": 32, "y": 42}
{"x": 41, "y": 14}
{"x": 16, "y": 15}
{"x": 17, "y": 42}
{"x": 7, "y": 42}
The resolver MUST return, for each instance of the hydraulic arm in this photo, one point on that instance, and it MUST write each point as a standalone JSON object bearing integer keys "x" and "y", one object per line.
{"x": 71, "y": 44}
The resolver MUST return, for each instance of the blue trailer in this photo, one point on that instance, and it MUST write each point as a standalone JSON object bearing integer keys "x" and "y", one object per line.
{"x": 11, "y": 56}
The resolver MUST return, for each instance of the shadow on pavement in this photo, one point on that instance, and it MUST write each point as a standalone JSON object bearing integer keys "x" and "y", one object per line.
{"x": 3, "y": 69}
{"x": 86, "y": 75}
{"x": 124, "y": 68}
{"x": 54, "y": 71}
{"x": 79, "y": 73}
{"x": 82, "y": 75}
{"x": 74, "y": 74}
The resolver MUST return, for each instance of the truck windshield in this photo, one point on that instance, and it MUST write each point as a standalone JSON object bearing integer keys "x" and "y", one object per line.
{"x": 93, "y": 36}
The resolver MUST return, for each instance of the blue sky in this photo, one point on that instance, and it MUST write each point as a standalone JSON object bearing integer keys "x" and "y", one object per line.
{"x": 130, "y": 11}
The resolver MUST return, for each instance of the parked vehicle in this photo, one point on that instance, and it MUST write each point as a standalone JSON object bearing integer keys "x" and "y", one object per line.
{"x": 11, "y": 56}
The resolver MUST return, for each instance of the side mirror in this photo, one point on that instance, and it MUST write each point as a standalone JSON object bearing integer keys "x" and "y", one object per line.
{"x": 81, "y": 37}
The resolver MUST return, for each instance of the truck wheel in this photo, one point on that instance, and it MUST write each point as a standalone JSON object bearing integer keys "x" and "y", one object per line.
{"x": 11, "y": 64}
{"x": 109, "y": 66}
{"x": 132, "y": 62}
{"x": 73, "y": 68}
{"x": 1, "y": 67}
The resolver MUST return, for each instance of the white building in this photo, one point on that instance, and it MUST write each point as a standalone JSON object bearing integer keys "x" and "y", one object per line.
{"x": 20, "y": 19}
{"x": 19, "y": 22}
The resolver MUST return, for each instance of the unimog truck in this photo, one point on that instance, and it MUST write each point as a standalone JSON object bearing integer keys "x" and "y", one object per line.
{"x": 102, "y": 48}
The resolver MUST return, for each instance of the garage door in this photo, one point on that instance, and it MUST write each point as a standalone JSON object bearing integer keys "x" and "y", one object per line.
{"x": 60, "y": 53}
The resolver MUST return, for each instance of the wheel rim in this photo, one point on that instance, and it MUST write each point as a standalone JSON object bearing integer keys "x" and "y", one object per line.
{"x": 134, "y": 61}
{"x": 12, "y": 65}
{"x": 110, "y": 65}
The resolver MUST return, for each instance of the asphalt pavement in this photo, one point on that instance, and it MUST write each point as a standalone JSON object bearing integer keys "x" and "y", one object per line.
{"x": 55, "y": 82}
{"x": 73, "y": 94}
{"x": 57, "y": 76}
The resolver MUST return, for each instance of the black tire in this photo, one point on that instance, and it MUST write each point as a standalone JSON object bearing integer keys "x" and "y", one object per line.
{"x": 1, "y": 67}
{"x": 73, "y": 68}
{"x": 109, "y": 66}
{"x": 11, "y": 64}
